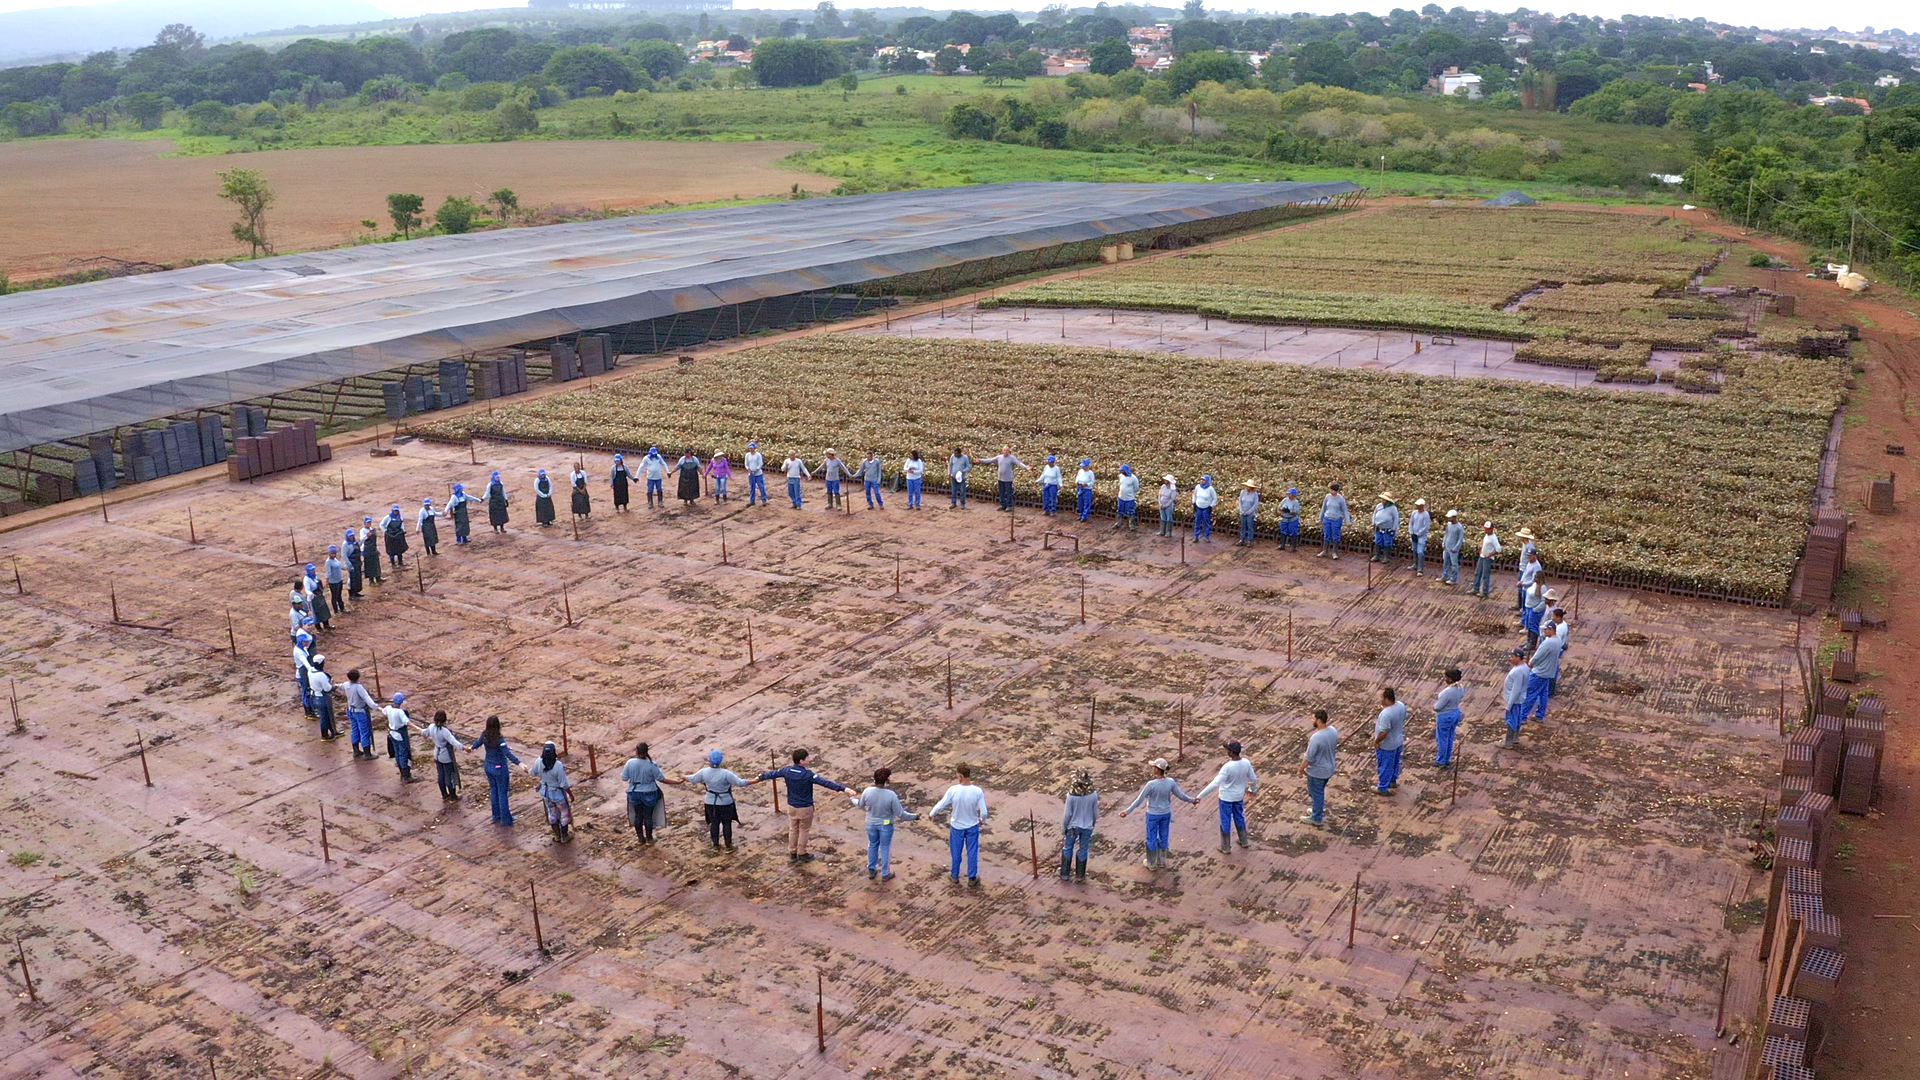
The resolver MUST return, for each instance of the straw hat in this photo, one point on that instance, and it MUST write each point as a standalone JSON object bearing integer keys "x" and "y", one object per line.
{"x": 1386, "y": 496}
{"x": 1169, "y": 479}
{"x": 1550, "y": 595}
{"x": 1250, "y": 485}
{"x": 1525, "y": 534}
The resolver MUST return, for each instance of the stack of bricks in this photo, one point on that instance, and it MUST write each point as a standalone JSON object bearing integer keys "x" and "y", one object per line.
{"x": 452, "y": 389}
{"x": 585, "y": 356}
{"x": 566, "y": 362}
{"x": 1826, "y": 557}
{"x": 1861, "y": 765}
{"x": 95, "y": 472}
{"x": 499, "y": 378}
{"x": 278, "y": 451}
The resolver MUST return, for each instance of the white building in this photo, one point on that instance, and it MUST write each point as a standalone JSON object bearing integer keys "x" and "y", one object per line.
{"x": 1454, "y": 81}
{"x": 1887, "y": 80}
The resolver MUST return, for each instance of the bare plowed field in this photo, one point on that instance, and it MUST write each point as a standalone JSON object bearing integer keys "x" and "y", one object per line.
{"x": 66, "y": 202}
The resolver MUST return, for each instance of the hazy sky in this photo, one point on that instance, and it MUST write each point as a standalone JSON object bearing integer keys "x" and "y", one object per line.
{"x": 1880, "y": 14}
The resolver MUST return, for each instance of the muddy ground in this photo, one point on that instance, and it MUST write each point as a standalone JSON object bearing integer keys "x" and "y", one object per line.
{"x": 1568, "y": 916}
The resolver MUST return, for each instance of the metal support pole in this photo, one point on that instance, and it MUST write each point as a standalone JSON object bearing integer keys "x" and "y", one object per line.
{"x": 567, "y": 599}
{"x": 1289, "y": 637}
{"x": 376, "y": 673}
{"x": 539, "y": 938}
{"x": 343, "y": 485}
{"x": 723, "y": 545}
{"x": 326, "y": 853}
{"x": 896, "y": 576}
{"x": 21, "y": 947}
{"x": 563, "y": 729}
{"x": 193, "y": 535}
{"x": 749, "y": 642}
{"x": 593, "y": 764}
{"x": 1033, "y": 843}
{"x": 294, "y": 546}
{"x": 113, "y": 595}
{"x": 1092, "y": 705}
{"x": 820, "y": 1009}
{"x": 1083, "y": 599}
{"x": 949, "y": 680}
{"x": 140, "y": 741}
{"x": 1353, "y": 919}
{"x": 17, "y": 586}
{"x": 103, "y": 508}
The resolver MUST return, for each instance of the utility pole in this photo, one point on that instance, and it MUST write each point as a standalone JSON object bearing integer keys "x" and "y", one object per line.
{"x": 1853, "y": 230}
{"x": 1750, "y": 181}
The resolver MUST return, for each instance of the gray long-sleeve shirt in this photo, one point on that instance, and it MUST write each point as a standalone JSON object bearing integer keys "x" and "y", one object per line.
{"x": 358, "y": 698}
{"x": 1006, "y": 464}
{"x": 1419, "y": 523}
{"x": 870, "y": 471}
{"x": 1322, "y": 756}
{"x": 834, "y": 469}
{"x": 719, "y": 783}
{"x": 1451, "y": 540}
{"x": 1081, "y": 811}
{"x": 1450, "y": 698}
{"x": 1159, "y": 794}
{"x": 1333, "y": 507}
{"x": 959, "y": 465}
{"x": 1546, "y": 658}
{"x": 883, "y": 806}
{"x": 1515, "y": 690}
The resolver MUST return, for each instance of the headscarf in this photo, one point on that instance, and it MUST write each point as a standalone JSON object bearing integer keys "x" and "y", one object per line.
{"x": 459, "y": 489}
{"x": 653, "y": 451}
{"x": 395, "y": 514}
{"x": 715, "y": 757}
{"x": 309, "y": 569}
{"x": 426, "y": 502}
{"x": 543, "y": 474}
{"x": 548, "y": 755}
{"x": 366, "y": 521}
{"x": 496, "y": 478}
{"x": 1051, "y": 459}
{"x": 1082, "y": 783}
{"x": 1128, "y": 469}
{"x": 1206, "y": 481}
{"x": 350, "y": 536}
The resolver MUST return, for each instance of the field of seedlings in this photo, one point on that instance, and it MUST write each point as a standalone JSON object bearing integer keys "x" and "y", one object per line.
{"x": 1700, "y": 494}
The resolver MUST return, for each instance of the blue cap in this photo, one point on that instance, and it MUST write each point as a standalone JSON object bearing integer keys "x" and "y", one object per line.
{"x": 543, "y": 472}
{"x": 426, "y": 502}
{"x": 1051, "y": 459}
{"x": 349, "y": 534}
{"x": 333, "y": 549}
{"x": 752, "y": 445}
{"x": 366, "y": 521}
{"x": 1086, "y": 463}
{"x": 619, "y": 457}
{"x": 309, "y": 568}
{"x": 1128, "y": 469}
{"x": 458, "y": 489}
{"x": 715, "y": 757}
{"x": 1293, "y": 491}
{"x": 396, "y": 508}
{"x": 399, "y": 696}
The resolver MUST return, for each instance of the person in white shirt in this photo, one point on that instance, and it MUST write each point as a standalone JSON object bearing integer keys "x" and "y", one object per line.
{"x": 322, "y": 686}
{"x": 756, "y": 465}
{"x": 400, "y": 737}
{"x": 446, "y": 770}
{"x": 1127, "y": 500}
{"x": 1050, "y": 477}
{"x": 654, "y": 468}
{"x": 1205, "y": 498}
{"x": 1483, "y": 570}
{"x": 1528, "y": 574}
{"x": 915, "y": 472}
{"x": 967, "y": 805}
{"x": 1083, "y": 489}
{"x": 1290, "y": 520}
{"x": 796, "y": 471}
{"x": 1234, "y": 783}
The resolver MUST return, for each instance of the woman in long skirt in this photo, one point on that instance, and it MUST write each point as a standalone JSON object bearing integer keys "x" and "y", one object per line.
{"x": 317, "y": 596}
{"x": 689, "y": 467}
{"x": 542, "y": 500}
{"x": 497, "y": 501}
{"x": 429, "y": 528}
{"x": 370, "y": 549}
{"x": 457, "y": 509}
{"x": 396, "y": 533}
{"x": 499, "y": 757}
{"x": 622, "y": 478}
{"x": 646, "y": 804}
{"x": 352, "y": 548}
{"x": 556, "y": 791}
{"x": 582, "y": 503}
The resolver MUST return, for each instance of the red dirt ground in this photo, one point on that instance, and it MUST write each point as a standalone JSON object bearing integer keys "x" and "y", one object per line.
{"x": 69, "y": 200}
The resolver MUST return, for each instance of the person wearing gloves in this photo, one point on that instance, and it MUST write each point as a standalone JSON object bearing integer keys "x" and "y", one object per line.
{"x": 457, "y": 510}
{"x": 958, "y": 466}
{"x": 321, "y": 686}
{"x": 1249, "y": 512}
{"x": 756, "y": 465}
{"x": 1483, "y": 569}
{"x": 1077, "y": 821}
{"x": 556, "y": 791}
{"x": 1419, "y": 524}
{"x": 350, "y": 547}
{"x": 1083, "y": 489}
{"x": 400, "y": 736}
{"x": 1386, "y": 526}
{"x": 1544, "y": 674}
{"x": 429, "y": 527}
{"x": 654, "y": 468}
{"x": 719, "y": 470}
{"x": 1446, "y": 719}
{"x": 497, "y": 500}
{"x": 1205, "y": 498}
{"x": 581, "y": 501}
{"x": 1234, "y": 782}
{"x": 800, "y": 784}
{"x": 884, "y": 808}
{"x": 1050, "y": 478}
{"x": 543, "y": 514}
{"x": 1127, "y": 500}
{"x": 833, "y": 470}
{"x": 1389, "y": 740}
{"x": 1333, "y": 518}
{"x": 1158, "y": 795}
{"x": 870, "y": 471}
{"x": 1514, "y": 695}
{"x": 688, "y": 488}
{"x": 1169, "y": 495}
{"x": 622, "y": 479}
{"x": 914, "y": 470}
{"x": 721, "y": 811}
{"x": 336, "y": 577}
{"x": 1004, "y": 464}
{"x": 1318, "y": 764}
{"x": 1451, "y": 541}
{"x": 446, "y": 768}
{"x": 499, "y": 776}
{"x": 966, "y": 803}
{"x": 360, "y": 708}
{"x": 796, "y": 471}
{"x": 370, "y": 549}
{"x": 646, "y": 803}
{"x": 1290, "y": 520}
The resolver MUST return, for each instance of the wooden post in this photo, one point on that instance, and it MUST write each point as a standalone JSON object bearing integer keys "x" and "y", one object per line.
{"x": 1369, "y": 574}
{"x": 113, "y": 594}
{"x": 820, "y": 1009}
{"x": 141, "y": 741}
{"x": 193, "y": 535}
{"x": 563, "y": 729}
{"x": 539, "y": 938}
{"x": 13, "y": 700}
{"x": 343, "y": 485}
{"x": 376, "y": 673}
{"x": 420, "y": 576}
{"x": 1289, "y": 637}
{"x": 593, "y": 764}
{"x": 896, "y": 576}
{"x": 1010, "y": 538}
{"x": 1783, "y": 705}
{"x": 1353, "y": 919}
{"x": 1455, "y": 797}
{"x": 949, "y": 680}
{"x": 567, "y": 599}
{"x": 749, "y": 642}
{"x": 1033, "y": 843}
{"x": 1576, "y": 600}
{"x": 233, "y": 646}
{"x": 723, "y": 545}
{"x": 17, "y": 586}
{"x": 1183, "y": 549}
{"x": 1182, "y": 755}
{"x": 1720, "y": 1015}
{"x": 326, "y": 853}
{"x": 1092, "y": 704}
{"x": 294, "y": 546}
{"x": 103, "y": 507}
{"x": 1083, "y": 599}
{"x": 212, "y": 1072}
{"x": 472, "y": 459}
{"x": 21, "y": 946}
{"x": 773, "y": 758}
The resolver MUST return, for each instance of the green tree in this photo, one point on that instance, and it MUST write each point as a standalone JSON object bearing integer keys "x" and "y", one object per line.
{"x": 1210, "y": 66}
{"x": 1322, "y": 62}
{"x": 249, "y": 190}
{"x": 405, "y": 212}
{"x": 146, "y": 108}
{"x": 966, "y": 120}
{"x": 948, "y": 60}
{"x": 656, "y": 59}
{"x": 1109, "y": 56}
{"x": 505, "y": 203}
{"x": 512, "y": 118}
{"x": 456, "y": 214}
{"x": 849, "y": 82}
{"x": 209, "y": 118}
{"x": 826, "y": 22}
{"x": 582, "y": 69}
{"x": 796, "y": 62}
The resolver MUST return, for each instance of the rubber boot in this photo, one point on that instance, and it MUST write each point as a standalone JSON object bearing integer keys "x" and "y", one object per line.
{"x": 1066, "y": 865}
{"x": 1133, "y": 524}
{"x": 1080, "y": 870}
{"x": 1224, "y": 848}
{"x": 1243, "y": 835}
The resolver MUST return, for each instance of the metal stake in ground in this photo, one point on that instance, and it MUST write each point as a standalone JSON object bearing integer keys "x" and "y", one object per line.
{"x": 343, "y": 485}
{"x": 1455, "y": 797}
{"x": 294, "y": 546}
{"x": 193, "y": 535}
{"x": 539, "y": 938}
{"x": 1083, "y": 599}
{"x": 1289, "y": 637}
{"x": 749, "y": 642}
{"x": 563, "y": 729}
{"x": 103, "y": 507}
{"x": 20, "y": 945}
{"x": 773, "y": 758}
{"x": 949, "y": 680}
{"x": 1353, "y": 920}
{"x": 723, "y": 545}
{"x": 420, "y": 576}
{"x": 1182, "y": 755}
{"x": 17, "y": 586}
{"x": 896, "y": 576}
{"x": 376, "y": 673}
{"x": 113, "y": 595}
{"x": 1033, "y": 843}
{"x": 567, "y": 599}
{"x": 326, "y": 853}
{"x": 820, "y": 1008}
{"x": 140, "y": 741}
{"x": 1092, "y": 704}
{"x": 593, "y": 764}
